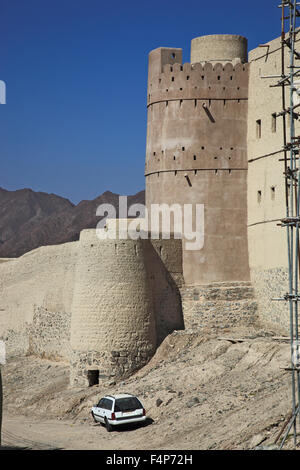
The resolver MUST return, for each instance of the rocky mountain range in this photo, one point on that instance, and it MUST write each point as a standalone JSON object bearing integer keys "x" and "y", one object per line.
{"x": 30, "y": 219}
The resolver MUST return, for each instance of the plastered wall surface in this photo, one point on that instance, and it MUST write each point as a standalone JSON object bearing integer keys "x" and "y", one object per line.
{"x": 266, "y": 189}
{"x": 38, "y": 288}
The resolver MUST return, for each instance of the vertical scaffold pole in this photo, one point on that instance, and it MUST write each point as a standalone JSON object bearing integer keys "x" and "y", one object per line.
{"x": 292, "y": 197}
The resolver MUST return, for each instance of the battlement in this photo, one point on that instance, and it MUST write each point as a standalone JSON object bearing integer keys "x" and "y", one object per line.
{"x": 199, "y": 81}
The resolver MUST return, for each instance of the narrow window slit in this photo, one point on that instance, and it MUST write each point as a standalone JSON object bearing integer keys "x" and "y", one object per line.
{"x": 259, "y": 196}
{"x": 258, "y": 128}
{"x": 272, "y": 193}
{"x": 273, "y": 126}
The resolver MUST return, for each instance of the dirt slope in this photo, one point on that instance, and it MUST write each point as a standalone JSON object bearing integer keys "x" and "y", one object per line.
{"x": 201, "y": 391}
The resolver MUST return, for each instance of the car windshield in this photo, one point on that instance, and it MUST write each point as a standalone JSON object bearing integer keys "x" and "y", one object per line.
{"x": 127, "y": 404}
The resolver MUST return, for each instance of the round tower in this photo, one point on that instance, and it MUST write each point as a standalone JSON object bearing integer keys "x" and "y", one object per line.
{"x": 113, "y": 324}
{"x": 219, "y": 48}
{"x": 196, "y": 151}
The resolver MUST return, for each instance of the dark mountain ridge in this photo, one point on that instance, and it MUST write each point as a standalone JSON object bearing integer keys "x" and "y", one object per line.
{"x": 30, "y": 219}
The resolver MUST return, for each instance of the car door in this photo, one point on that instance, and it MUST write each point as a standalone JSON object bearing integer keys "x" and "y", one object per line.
{"x": 108, "y": 408}
{"x": 99, "y": 411}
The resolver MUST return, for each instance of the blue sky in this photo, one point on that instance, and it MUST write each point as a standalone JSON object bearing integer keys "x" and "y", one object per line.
{"x": 76, "y": 72}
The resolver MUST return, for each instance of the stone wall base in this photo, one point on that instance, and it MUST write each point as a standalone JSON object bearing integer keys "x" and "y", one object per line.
{"x": 219, "y": 305}
{"x": 109, "y": 364}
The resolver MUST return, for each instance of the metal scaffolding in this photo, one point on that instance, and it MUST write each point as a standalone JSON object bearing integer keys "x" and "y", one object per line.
{"x": 291, "y": 145}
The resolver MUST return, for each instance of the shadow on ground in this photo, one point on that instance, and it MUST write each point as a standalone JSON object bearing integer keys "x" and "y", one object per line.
{"x": 133, "y": 426}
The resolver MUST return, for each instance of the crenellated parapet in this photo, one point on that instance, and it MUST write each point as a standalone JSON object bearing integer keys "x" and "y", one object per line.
{"x": 199, "y": 81}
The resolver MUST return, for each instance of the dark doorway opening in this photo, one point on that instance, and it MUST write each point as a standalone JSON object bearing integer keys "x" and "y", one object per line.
{"x": 93, "y": 377}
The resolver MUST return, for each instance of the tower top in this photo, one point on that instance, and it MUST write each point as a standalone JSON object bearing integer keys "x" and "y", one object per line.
{"x": 219, "y": 48}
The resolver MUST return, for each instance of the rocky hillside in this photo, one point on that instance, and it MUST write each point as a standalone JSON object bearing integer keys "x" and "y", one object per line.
{"x": 30, "y": 219}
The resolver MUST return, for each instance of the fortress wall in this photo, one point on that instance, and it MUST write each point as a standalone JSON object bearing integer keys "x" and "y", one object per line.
{"x": 113, "y": 321}
{"x": 35, "y": 301}
{"x": 266, "y": 191}
{"x": 164, "y": 268}
{"x": 208, "y": 145}
{"x": 100, "y": 304}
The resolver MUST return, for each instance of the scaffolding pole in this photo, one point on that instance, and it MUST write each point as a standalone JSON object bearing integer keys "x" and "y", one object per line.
{"x": 291, "y": 145}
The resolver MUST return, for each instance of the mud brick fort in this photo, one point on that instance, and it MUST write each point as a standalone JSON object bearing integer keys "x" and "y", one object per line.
{"x": 212, "y": 138}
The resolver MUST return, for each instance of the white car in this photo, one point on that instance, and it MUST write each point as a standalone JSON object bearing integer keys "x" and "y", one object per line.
{"x": 113, "y": 410}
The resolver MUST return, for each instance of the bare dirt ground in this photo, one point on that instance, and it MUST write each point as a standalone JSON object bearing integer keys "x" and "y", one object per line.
{"x": 216, "y": 390}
